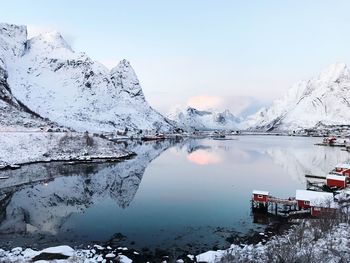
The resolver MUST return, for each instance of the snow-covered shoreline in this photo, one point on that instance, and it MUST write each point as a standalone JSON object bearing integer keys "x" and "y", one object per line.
{"x": 17, "y": 148}
{"x": 297, "y": 245}
{"x": 65, "y": 254}
{"x": 304, "y": 242}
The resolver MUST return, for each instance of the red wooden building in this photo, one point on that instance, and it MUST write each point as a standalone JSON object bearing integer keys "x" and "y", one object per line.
{"x": 329, "y": 140}
{"x": 338, "y": 181}
{"x": 260, "y": 196}
{"x": 318, "y": 211}
{"x": 346, "y": 173}
{"x": 314, "y": 200}
{"x": 342, "y": 167}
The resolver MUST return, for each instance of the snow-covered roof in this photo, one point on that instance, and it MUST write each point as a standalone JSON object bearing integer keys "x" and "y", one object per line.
{"x": 320, "y": 199}
{"x": 259, "y": 192}
{"x": 336, "y": 177}
{"x": 343, "y": 165}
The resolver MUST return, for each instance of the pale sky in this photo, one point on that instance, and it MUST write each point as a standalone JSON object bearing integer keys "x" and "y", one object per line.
{"x": 207, "y": 54}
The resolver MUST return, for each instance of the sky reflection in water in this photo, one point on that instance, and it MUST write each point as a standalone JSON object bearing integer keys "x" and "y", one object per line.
{"x": 181, "y": 197}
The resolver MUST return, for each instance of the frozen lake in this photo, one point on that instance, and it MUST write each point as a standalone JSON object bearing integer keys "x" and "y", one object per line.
{"x": 188, "y": 196}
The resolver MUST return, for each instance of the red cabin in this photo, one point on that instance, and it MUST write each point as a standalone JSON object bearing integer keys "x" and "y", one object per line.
{"x": 322, "y": 211}
{"x": 346, "y": 173}
{"x": 338, "y": 181}
{"x": 307, "y": 199}
{"x": 260, "y": 196}
{"x": 329, "y": 140}
{"x": 342, "y": 167}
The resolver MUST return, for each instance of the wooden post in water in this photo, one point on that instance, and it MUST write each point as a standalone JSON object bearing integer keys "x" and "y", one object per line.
{"x": 276, "y": 209}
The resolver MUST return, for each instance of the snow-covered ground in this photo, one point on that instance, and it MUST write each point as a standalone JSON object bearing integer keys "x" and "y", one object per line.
{"x": 28, "y": 147}
{"x": 301, "y": 244}
{"x": 64, "y": 254}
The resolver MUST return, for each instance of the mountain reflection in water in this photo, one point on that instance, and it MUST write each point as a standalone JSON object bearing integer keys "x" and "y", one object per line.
{"x": 193, "y": 196}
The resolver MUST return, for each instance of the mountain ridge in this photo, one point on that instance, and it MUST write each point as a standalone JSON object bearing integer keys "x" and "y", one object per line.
{"x": 52, "y": 80}
{"x": 191, "y": 118}
{"x": 322, "y": 100}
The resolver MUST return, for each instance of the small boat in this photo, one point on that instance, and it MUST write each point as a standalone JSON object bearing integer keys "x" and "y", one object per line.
{"x": 4, "y": 177}
{"x": 224, "y": 139}
{"x": 14, "y": 166}
{"x": 218, "y": 136}
{"x": 329, "y": 140}
{"x": 153, "y": 137}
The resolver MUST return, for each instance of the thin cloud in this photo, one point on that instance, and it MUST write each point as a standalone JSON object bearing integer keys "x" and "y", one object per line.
{"x": 204, "y": 102}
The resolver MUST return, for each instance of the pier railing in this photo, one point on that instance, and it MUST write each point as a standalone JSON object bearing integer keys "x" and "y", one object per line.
{"x": 281, "y": 201}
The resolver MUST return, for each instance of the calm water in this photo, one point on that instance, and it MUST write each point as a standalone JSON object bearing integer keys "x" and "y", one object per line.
{"x": 190, "y": 195}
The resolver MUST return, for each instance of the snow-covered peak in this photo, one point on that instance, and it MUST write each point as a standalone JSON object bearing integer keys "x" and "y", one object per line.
{"x": 334, "y": 73}
{"x": 229, "y": 115}
{"x": 191, "y": 118}
{"x": 193, "y": 111}
{"x": 124, "y": 78}
{"x": 12, "y": 31}
{"x": 323, "y": 100}
{"x": 13, "y": 114}
{"x": 12, "y": 41}
{"x": 49, "y": 42}
{"x": 70, "y": 88}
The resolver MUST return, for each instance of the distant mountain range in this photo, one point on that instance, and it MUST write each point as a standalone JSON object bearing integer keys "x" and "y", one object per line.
{"x": 323, "y": 101}
{"x": 191, "y": 118}
{"x": 320, "y": 101}
{"x": 43, "y": 77}
{"x": 44, "y": 82}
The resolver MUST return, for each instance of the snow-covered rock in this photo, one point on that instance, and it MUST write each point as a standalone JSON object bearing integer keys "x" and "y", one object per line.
{"x": 124, "y": 259}
{"x": 63, "y": 250}
{"x": 324, "y": 100}
{"x": 60, "y": 254}
{"x": 191, "y": 118}
{"x": 52, "y": 80}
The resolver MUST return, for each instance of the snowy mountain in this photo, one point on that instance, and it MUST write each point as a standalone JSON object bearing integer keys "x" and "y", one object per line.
{"x": 191, "y": 118}
{"x": 13, "y": 113}
{"x": 71, "y": 89}
{"x": 324, "y": 100}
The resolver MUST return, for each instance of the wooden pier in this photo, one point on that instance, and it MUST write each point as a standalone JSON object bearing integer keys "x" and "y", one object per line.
{"x": 331, "y": 145}
{"x": 273, "y": 205}
{"x": 315, "y": 176}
